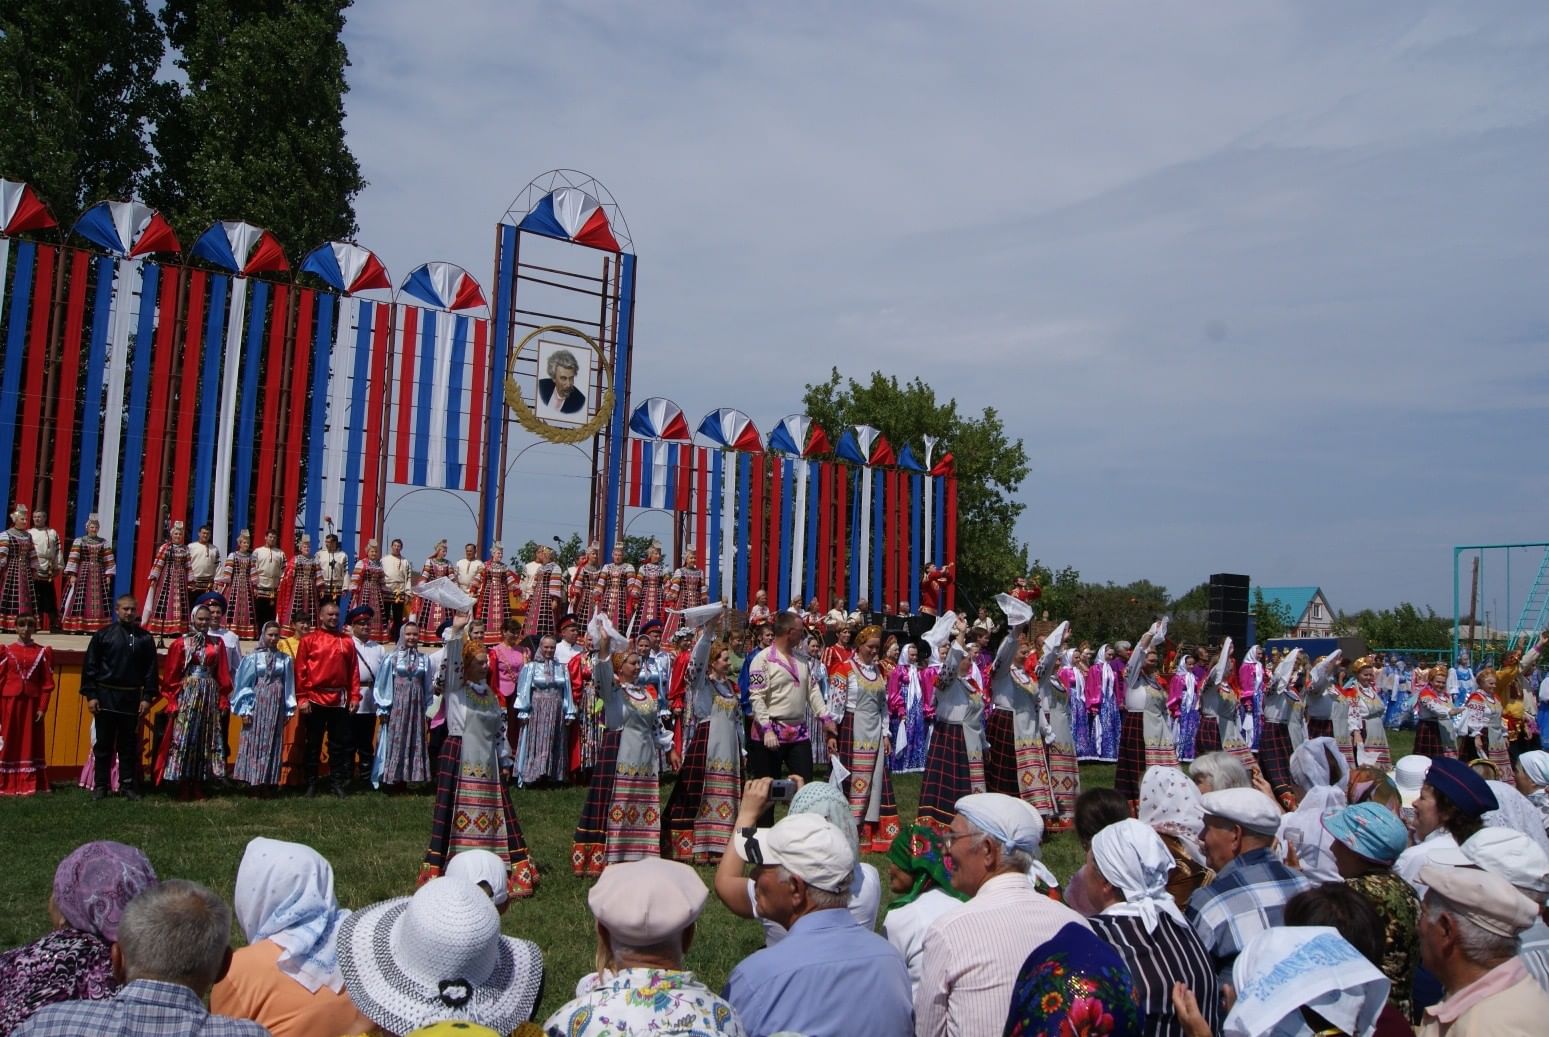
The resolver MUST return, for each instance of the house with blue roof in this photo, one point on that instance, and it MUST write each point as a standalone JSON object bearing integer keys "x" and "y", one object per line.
{"x": 1308, "y": 608}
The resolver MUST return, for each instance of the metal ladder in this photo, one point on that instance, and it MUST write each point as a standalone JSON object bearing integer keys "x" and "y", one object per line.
{"x": 1535, "y": 610}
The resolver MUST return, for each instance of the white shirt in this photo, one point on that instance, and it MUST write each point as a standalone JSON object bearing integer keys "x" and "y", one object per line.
{"x": 334, "y": 567}
{"x": 269, "y": 564}
{"x": 467, "y": 570}
{"x": 564, "y": 651}
{"x": 1419, "y": 855}
{"x": 233, "y": 645}
{"x": 865, "y": 902}
{"x": 45, "y": 544}
{"x": 396, "y": 573}
{"x": 369, "y": 657}
{"x": 905, "y": 927}
{"x": 203, "y": 562}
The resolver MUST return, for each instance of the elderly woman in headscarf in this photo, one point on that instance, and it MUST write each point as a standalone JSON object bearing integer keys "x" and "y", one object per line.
{"x": 1127, "y": 870}
{"x": 1318, "y": 777}
{"x": 917, "y": 874}
{"x": 404, "y": 689}
{"x": 287, "y": 978}
{"x": 1171, "y": 803}
{"x": 92, "y": 886}
{"x": 817, "y": 797}
{"x": 1073, "y": 984}
{"x": 1533, "y": 782}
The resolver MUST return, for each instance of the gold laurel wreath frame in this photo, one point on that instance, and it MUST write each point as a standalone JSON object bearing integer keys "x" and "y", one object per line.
{"x": 529, "y": 419}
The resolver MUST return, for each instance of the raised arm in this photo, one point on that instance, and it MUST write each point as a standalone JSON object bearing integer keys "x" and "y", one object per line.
{"x": 1137, "y": 658}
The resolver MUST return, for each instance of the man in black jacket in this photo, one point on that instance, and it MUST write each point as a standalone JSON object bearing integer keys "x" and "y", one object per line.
{"x": 119, "y": 680}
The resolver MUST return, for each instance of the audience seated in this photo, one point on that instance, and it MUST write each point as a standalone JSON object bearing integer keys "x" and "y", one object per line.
{"x": 1451, "y": 806}
{"x": 1218, "y": 771}
{"x": 1517, "y": 859}
{"x": 1351, "y": 915}
{"x": 486, "y": 870}
{"x": 1174, "y": 807}
{"x": 917, "y": 873}
{"x": 1073, "y": 983}
{"x": 1368, "y": 838}
{"x": 1303, "y": 980}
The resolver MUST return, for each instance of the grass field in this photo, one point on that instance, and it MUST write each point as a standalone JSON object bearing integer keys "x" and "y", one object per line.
{"x": 375, "y": 843}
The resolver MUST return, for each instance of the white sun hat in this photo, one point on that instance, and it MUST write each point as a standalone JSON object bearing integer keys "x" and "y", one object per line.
{"x": 436, "y": 956}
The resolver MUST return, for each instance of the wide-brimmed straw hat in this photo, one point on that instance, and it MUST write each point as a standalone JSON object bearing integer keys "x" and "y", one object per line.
{"x": 438, "y": 955}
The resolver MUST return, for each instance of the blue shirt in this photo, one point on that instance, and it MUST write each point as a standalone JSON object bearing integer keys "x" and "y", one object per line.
{"x": 1247, "y": 897}
{"x": 829, "y": 976}
{"x": 143, "y": 1008}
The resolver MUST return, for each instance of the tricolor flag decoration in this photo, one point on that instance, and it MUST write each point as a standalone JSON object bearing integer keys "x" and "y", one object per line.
{"x": 440, "y": 386}
{"x": 799, "y": 435}
{"x": 22, "y": 210}
{"x": 660, "y": 418}
{"x": 127, "y": 229}
{"x": 241, "y": 248}
{"x": 731, "y": 430}
{"x": 570, "y": 214}
{"x": 661, "y": 474}
{"x": 347, "y": 267}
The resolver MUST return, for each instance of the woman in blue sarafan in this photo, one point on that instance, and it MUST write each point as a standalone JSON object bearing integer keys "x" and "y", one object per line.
{"x": 545, "y": 709}
{"x": 909, "y": 689}
{"x": 405, "y": 687}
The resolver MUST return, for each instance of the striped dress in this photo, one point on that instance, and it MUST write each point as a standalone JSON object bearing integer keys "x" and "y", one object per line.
{"x": 264, "y": 697}
{"x": 1168, "y": 954}
{"x": 634, "y": 810}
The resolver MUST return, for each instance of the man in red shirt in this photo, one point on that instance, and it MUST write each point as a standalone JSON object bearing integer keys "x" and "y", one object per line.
{"x": 327, "y": 688}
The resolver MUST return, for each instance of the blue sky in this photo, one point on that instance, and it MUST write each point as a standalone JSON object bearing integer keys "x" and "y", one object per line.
{"x": 1262, "y": 286}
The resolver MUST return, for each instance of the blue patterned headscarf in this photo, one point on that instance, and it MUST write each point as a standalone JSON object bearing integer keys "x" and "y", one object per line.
{"x": 1074, "y": 985}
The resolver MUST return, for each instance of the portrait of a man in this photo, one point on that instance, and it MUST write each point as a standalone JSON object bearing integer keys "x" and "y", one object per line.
{"x": 560, "y": 388}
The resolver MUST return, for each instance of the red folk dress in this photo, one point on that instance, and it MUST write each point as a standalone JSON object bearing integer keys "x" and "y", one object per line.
{"x": 166, "y": 595}
{"x": 493, "y": 591}
{"x": 89, "y": 572}
{"x": 26, "y": 681}
{"x": 238, "y": 582}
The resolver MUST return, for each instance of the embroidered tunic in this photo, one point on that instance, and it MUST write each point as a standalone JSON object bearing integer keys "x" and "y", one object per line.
{"x": 89, "y": 572}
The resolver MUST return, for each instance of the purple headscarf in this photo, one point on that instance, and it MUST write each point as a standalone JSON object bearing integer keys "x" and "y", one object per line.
{"x": 95, "y": 883}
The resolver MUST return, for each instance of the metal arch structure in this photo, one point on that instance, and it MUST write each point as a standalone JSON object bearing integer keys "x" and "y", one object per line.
{"x": 543, "y": 278}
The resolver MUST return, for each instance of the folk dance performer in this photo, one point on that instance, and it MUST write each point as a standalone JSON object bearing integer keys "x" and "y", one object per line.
{"x": 269, "y": 569}
{"x": 264, "y": 697}
{"x": 368, "y": 589}
{"x": 1147, "y": 738}
{"x": 204, "y": 561}
{"x": 954, "y": 762}
{"x": 910, "y": 689}
{"x": 1486, "y": 725}
{"x": 89, "y": 576}
{"x": 1219, "y": 701}
{"x": 327, "y": 687}
{"x": 621, "y": 818}
{"x": 237, "y": 582}
{"x": 1073, "y": 666}
{"x": 934, "y": 585}
{"x": 1104, "y": 701}
{"x": 473, "y": 808}
{"x": 650, "y": 590}
{"x": 862, "y": 740}
{"x": 405, "y": 686}
{"x": 1434, "y": 712}
{"x": 583, "y": 576}
{"x": 1183, "y": 704}
{"x": 1017, "y": 764}
{"x": 196, "y": 684}
{"x": 18, "y": 570}
{"x": 359, "y": 756}
{"x": 397, "y": 581}
{"x": 612, "y": 589}
{"x": 1322, "y": 698}
{"x": 431, "y": 612}
{"x": 51, "y": 560}
{"x": 686, "y": 590}
{"x": 1358, "y": 720}
{"x": 1251, "y": 681}
{"x": 1059, "y": 740}
{"x": 26, "y": 681}
{"x": 1275, "y": 748}
{"x": 466, "y": 569}
{"x": 493, "y": 590}
{"x": 333, "y": 570}
{"x": 166, "y": 592}
{"x": 547, "y": 600}
{"x": 545, "y": 709}
{"x": 704, "y": 798}
{"x": 299, "y": 589}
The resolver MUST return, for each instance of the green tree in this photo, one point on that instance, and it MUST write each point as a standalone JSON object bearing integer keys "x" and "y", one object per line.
{"x": 1271, "y": 618}
{"x": 990, "y": 467}
{"x": 1404, "y": 626}
{"x": 258, "y": 132}
{"x": 77, "y": 92}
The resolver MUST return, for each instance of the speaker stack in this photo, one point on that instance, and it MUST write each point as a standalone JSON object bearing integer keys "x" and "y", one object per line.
{"x": 1229, "y": 609}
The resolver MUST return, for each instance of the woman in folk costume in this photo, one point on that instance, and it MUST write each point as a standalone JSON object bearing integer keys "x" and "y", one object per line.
{"x": 1208, "y": 738}
{"x": 166, "y": 591}
{"x": 1358, "y": 716}
{"x": 299, "y": 588}
{"x": 1485, "y": 725}
{"x": 650, "y": 590}
{"x": 863, "y": 744}
{"x": 494, "y": 588}
{"x": 1103, "y": 706}
{"x": 1433, "y": 715}
{"x": 506, "y": 659}
{"x": 910, "y": 688}
{"x": 368, "y": 588}
{"x": 26, "y": 680}
{"x": 264, "y": 696}
{"x": 703, "y": 805}
{"x": 685, "y": 590}
{"x": 545, "y": 709}
{"x": 1073, "y": 666}
{"x": 404, "y": 690}
{"x": 954, "y": 762}
{"x": 18, "y": 569}
{"x": 431, "y": 612}
{"x": 611, "y": 596}
{"x": 583, "y": 582}
{"x": 89, "y": 576}
{"x": 1059, "y": 740}
{"x": 196, "y": 683}
{"x": 1017, "y": 763}
{"x": 623, "y": 803}
{"x": 812, "y": 651}
{"x": 547, "y": 600}
{"x": 1252, "y": 679}
{"x": 1147, "y": 738}
{"x": 1219, "y": 702}
{"x": 1183, "y": 704}
{"x": 237, "y": 581}
{"x": 473, "y": 797}
{"x": 1275, "y": 747}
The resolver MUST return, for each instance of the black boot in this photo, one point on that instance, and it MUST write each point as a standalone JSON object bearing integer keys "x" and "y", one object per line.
{"x": 311, "y": 792}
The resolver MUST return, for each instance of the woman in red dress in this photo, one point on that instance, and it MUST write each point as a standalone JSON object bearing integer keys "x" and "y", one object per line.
{"x": 494, "y": 588}
{"x": 89, "y": 582}
{"x": 166, "y": 595}
{"x": 368, "y": 587}
{"x": 26, "y": 679}
{"x": 238, "y": 581}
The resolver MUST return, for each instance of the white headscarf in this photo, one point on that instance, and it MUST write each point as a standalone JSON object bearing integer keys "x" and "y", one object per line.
{"x": 1325, "y": 795}
{"x": 1171, "y": 804}
{"x": 1516, "y": 811}
{"x": 1131, "y": 856}
{"x": 1010, "y": 822}
{"x": 1283, "y": 969}
{"x": 285, "y": 894}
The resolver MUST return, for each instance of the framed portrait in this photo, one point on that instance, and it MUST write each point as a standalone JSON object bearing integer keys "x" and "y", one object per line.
{"x": 566, "y": 376}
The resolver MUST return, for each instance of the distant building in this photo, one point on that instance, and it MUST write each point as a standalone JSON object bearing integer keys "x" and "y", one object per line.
{"x": 1307, "y": 607}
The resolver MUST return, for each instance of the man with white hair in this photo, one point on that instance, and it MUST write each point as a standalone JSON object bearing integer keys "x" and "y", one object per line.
{"x": 972, "y": 955}
{"x": 174, "y": 944}
{"x": 1469, "y": 926}
{"x": 1518, "y": 859}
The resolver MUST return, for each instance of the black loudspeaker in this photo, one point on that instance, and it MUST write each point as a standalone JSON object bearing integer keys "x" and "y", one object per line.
{"x": 1229, "y": 624}
{"x": 1228, "y": 616}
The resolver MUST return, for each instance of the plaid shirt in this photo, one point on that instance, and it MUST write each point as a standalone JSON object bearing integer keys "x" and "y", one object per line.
{"x": 1247, "y": 897}
{"x": 143, "y": 1008}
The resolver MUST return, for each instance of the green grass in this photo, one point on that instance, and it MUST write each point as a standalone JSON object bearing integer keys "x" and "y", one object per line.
{"x": 375, "y": 843}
